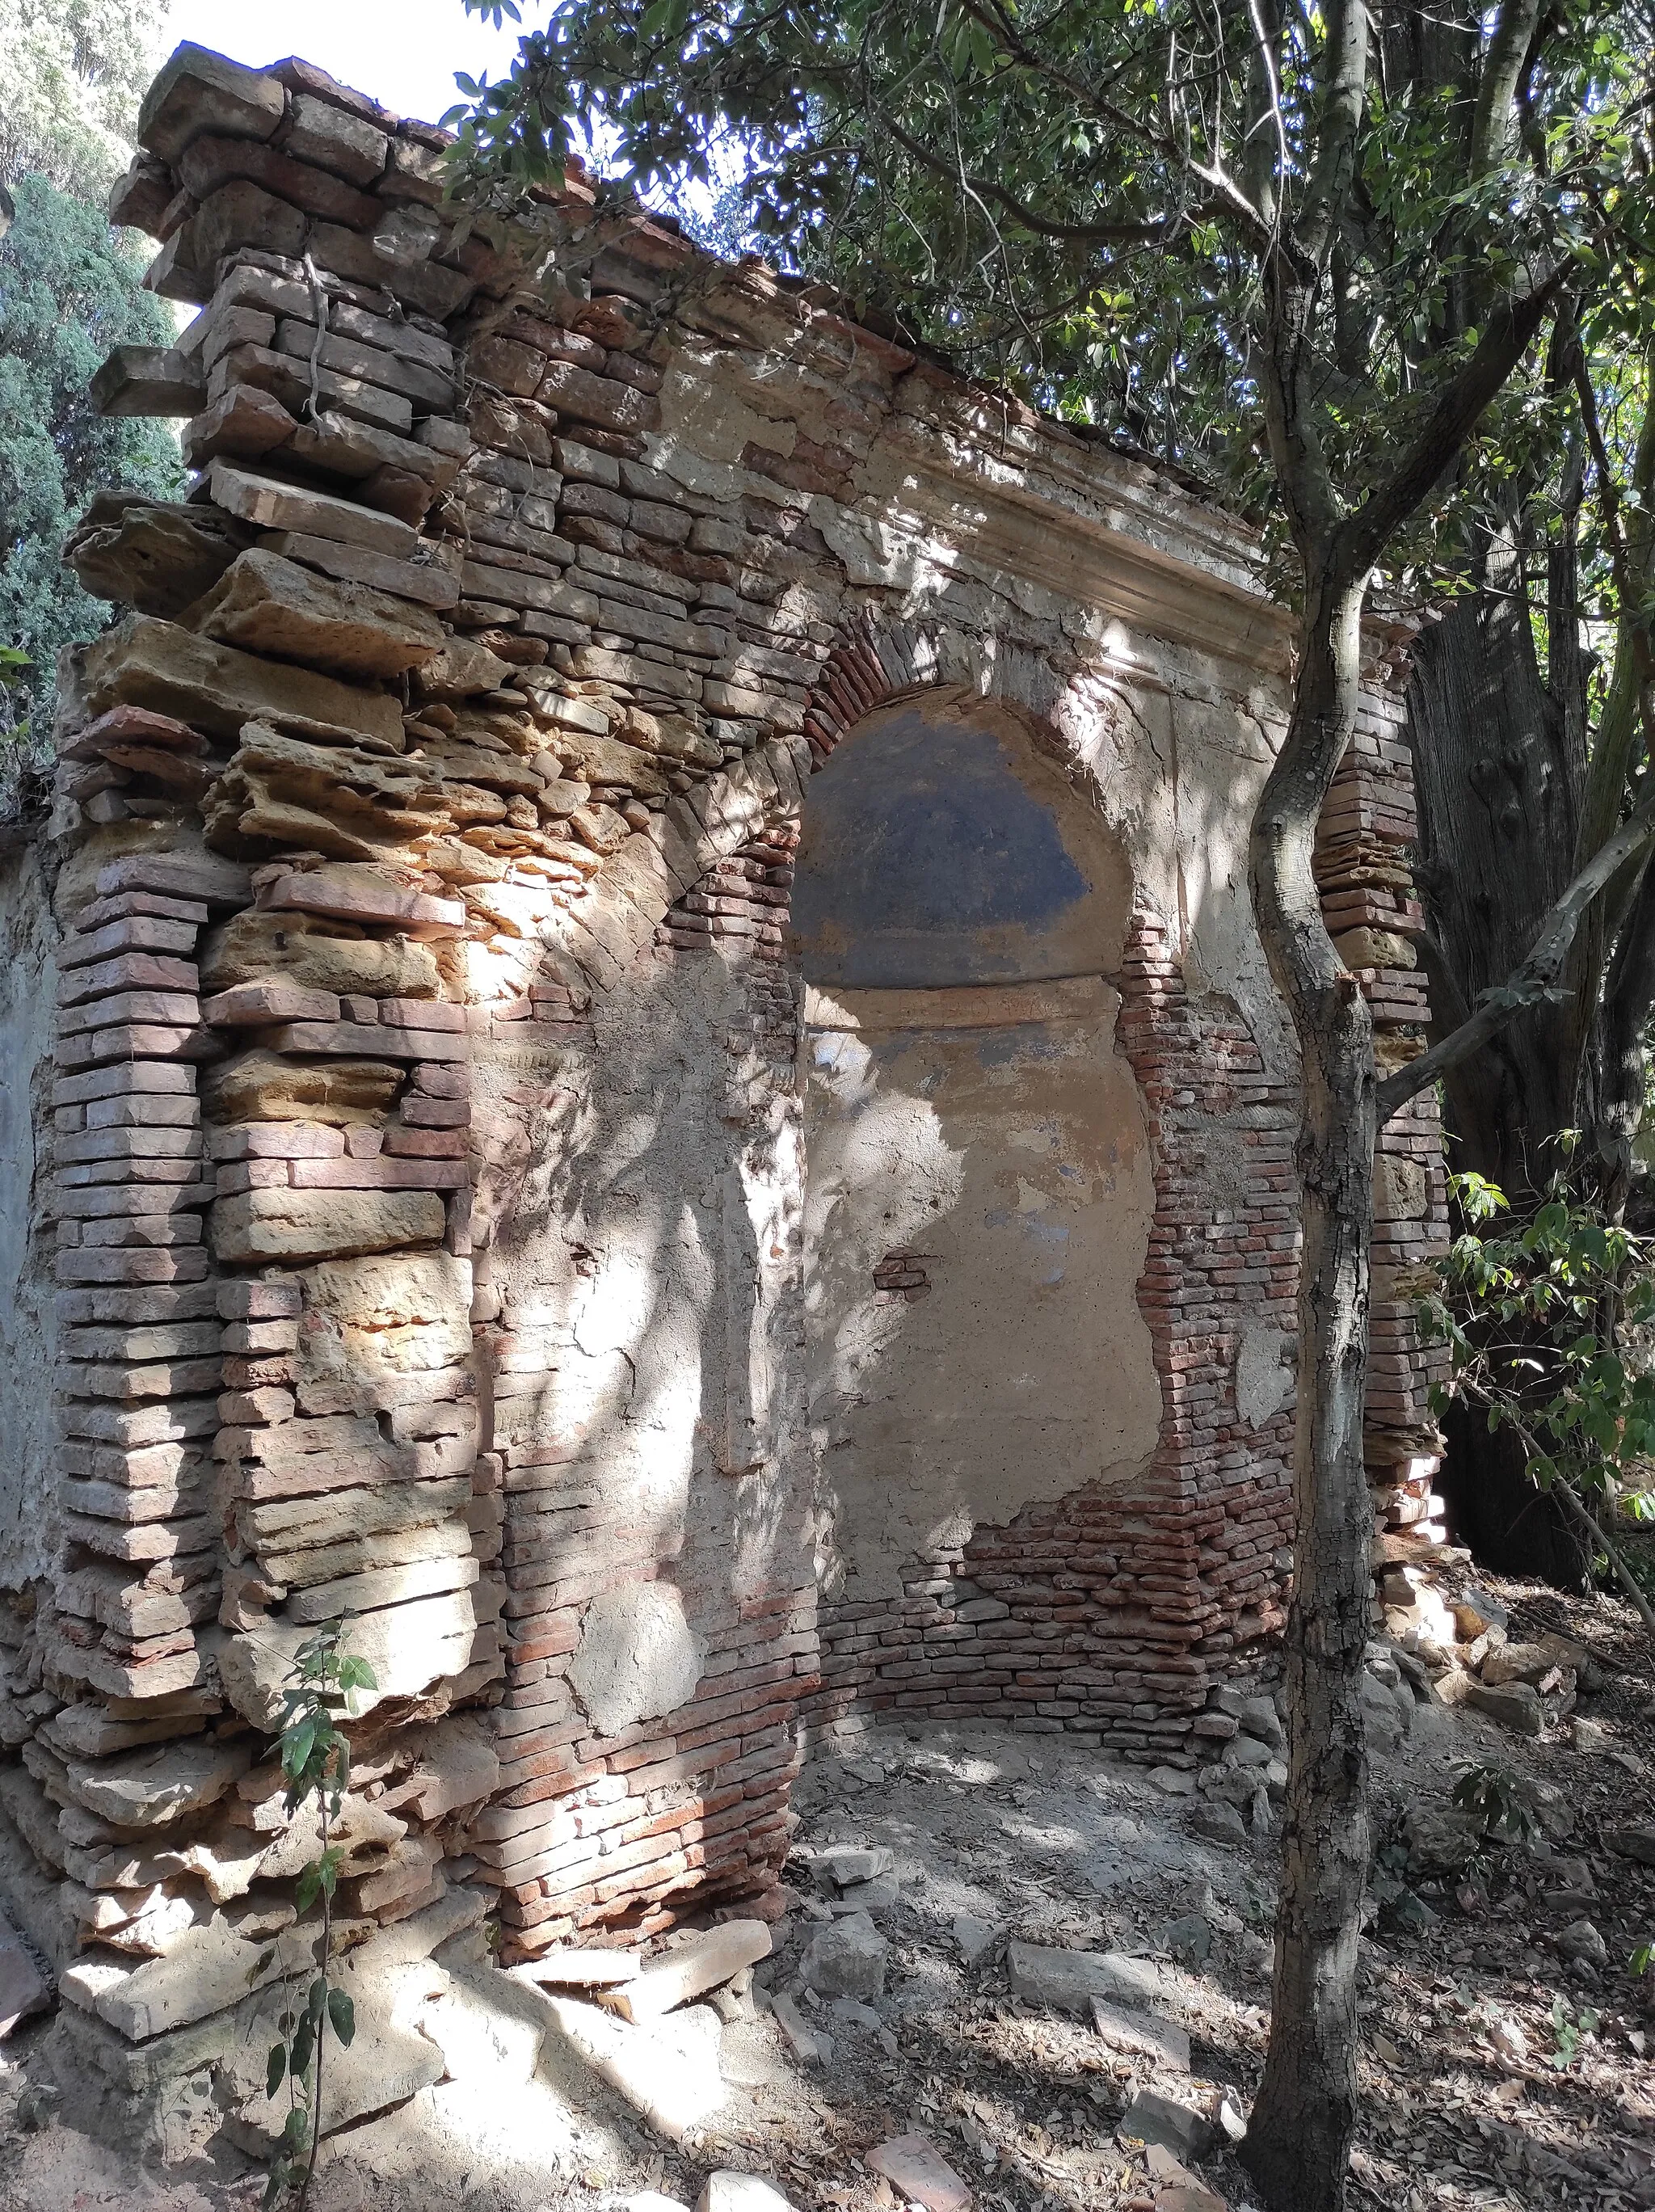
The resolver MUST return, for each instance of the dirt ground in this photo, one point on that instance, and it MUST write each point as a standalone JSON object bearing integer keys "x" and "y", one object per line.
{"x": 1484, "y": 2081}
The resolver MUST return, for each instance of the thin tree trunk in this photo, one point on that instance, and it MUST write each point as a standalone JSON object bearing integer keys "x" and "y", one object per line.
{"x": 1298, "y": 2144}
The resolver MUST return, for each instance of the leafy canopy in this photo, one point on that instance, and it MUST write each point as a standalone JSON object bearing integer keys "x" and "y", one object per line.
{"x": 1100, "y": 203}
{"x": 69, "y": 292}
{"x": 75, "y": 73}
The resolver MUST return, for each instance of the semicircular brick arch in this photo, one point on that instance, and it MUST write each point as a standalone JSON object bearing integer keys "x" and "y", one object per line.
{"x": 872, "y": 664}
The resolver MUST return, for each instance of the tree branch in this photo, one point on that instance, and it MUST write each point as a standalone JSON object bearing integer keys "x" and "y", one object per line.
{"x": 1364, "y": 535}
{"x": 1344, "y": 62}
{"x": 1216, "y": 181}
{"x": 1537, "y": 973}
{"x": 1491, "y": 128}
{"x": 1157, "y": 233}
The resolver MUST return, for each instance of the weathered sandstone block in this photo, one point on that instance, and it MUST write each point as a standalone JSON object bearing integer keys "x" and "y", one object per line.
{"x": 282, "y": 790}
{"x": 158, "y": 664}
{"x": 274, "y": 506}
{"x": 301, "y": 950}
{"x": 408, "y": 1646}
{"x": 198, "y": 91}
{"x": 320, "y": 132}
{"x": 319, "y": 1225}
{"x": 142, "y": 553}
{"x": 362, "y": 894}
{"x": 139, "y": 379}
{"x": 266, "y": 604}
{"x": 263, "y": 1086}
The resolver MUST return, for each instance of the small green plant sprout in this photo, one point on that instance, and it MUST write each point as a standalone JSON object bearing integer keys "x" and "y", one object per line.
{"x": 1494, "y": 1799}
{"x": 1570, "y": 2029}
{"x": 315, "y": 1758}
{"x": 1641, "y": 1960}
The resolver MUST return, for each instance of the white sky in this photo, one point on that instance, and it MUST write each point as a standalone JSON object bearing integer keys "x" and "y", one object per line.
{"x": 402, "y": 53}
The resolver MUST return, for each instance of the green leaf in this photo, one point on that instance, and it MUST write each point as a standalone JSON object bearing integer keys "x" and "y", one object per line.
{"x": 342, "y": 2013}
{"x": 276, "y": 2068}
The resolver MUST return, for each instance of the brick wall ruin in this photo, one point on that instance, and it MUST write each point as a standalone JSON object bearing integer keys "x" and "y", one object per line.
{"x": 422, "y": 1156}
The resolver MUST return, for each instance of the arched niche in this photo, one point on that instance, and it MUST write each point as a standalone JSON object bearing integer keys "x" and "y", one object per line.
{"x": 941, "y": 849}
{"x": 979, "y": 1190}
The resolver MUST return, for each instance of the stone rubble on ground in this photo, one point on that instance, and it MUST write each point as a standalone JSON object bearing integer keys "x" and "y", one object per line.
{"x": 918, "y": 2171}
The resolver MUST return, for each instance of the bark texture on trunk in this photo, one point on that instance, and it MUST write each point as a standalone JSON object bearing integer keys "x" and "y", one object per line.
{"x": 1498, "y": 792}
{"x": 1298, "y": 2144}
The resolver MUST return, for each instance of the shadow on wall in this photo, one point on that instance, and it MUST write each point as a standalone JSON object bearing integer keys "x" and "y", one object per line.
{"x": 638, "y": 1227}
{"x": 980, "y": 1190}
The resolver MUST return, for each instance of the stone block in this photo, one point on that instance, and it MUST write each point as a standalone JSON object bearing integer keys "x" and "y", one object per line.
{"x": 1153, "y": 2119}
{"x": 435, "y": 291}
{"x": 198, "y": 91}
{"x": 580, "y": 397}
{"x": 426, "y": 583}
{"x": 148, "y": 554}
{"x": 382, "y": 1586}
{"x": 740, "y": 2192}
{"x": 204, "y": 876}
{"x": 427, "y": 387}
{"x": 362, "y": 894}
{"x": 139, "y": 199}
{"x": 147, "y": 663}
{"x": 208, "y": 1970}
{"x": 462, "y": 669}
{"x": 214, "y": 164}
{"x": 388, "y": 1038}
{"x": 261, "y": 945}
{"x": 846, "y": 1959}
{"x": 702, "y": 1961}
{"x": 320, "y": 132}
{"x": 139, "y": 379}
{"x": 149, "y": 1787}
{"x": 270, "y": 505}
{"x": 413, "y": 172}
{"x": 258, "y": 1004}
{"x": 319, "y": 1224}
{"x": 1068, "y": 1981}
{"x": 243, "y": 214}
{"x": 919, "y": 2173}
{"x": 263, "y": 1086}
{"x": 289, "y": 380}
{"x": 1515, "y": 1705}
{"x": 264, "y": 604}
{"x": 409, "y": 1647}
{"x": 1141, "y": 2035}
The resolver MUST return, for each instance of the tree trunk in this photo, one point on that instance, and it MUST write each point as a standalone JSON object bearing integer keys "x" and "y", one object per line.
{"x": 1298, "y": 2144}
{"x": 1498, "y": 792}
{"x": 1512, "y": 1525}
{"x": 1498, "y": 766}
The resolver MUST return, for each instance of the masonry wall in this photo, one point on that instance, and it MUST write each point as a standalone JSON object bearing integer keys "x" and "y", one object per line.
{"x": 429, "y": 1158}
